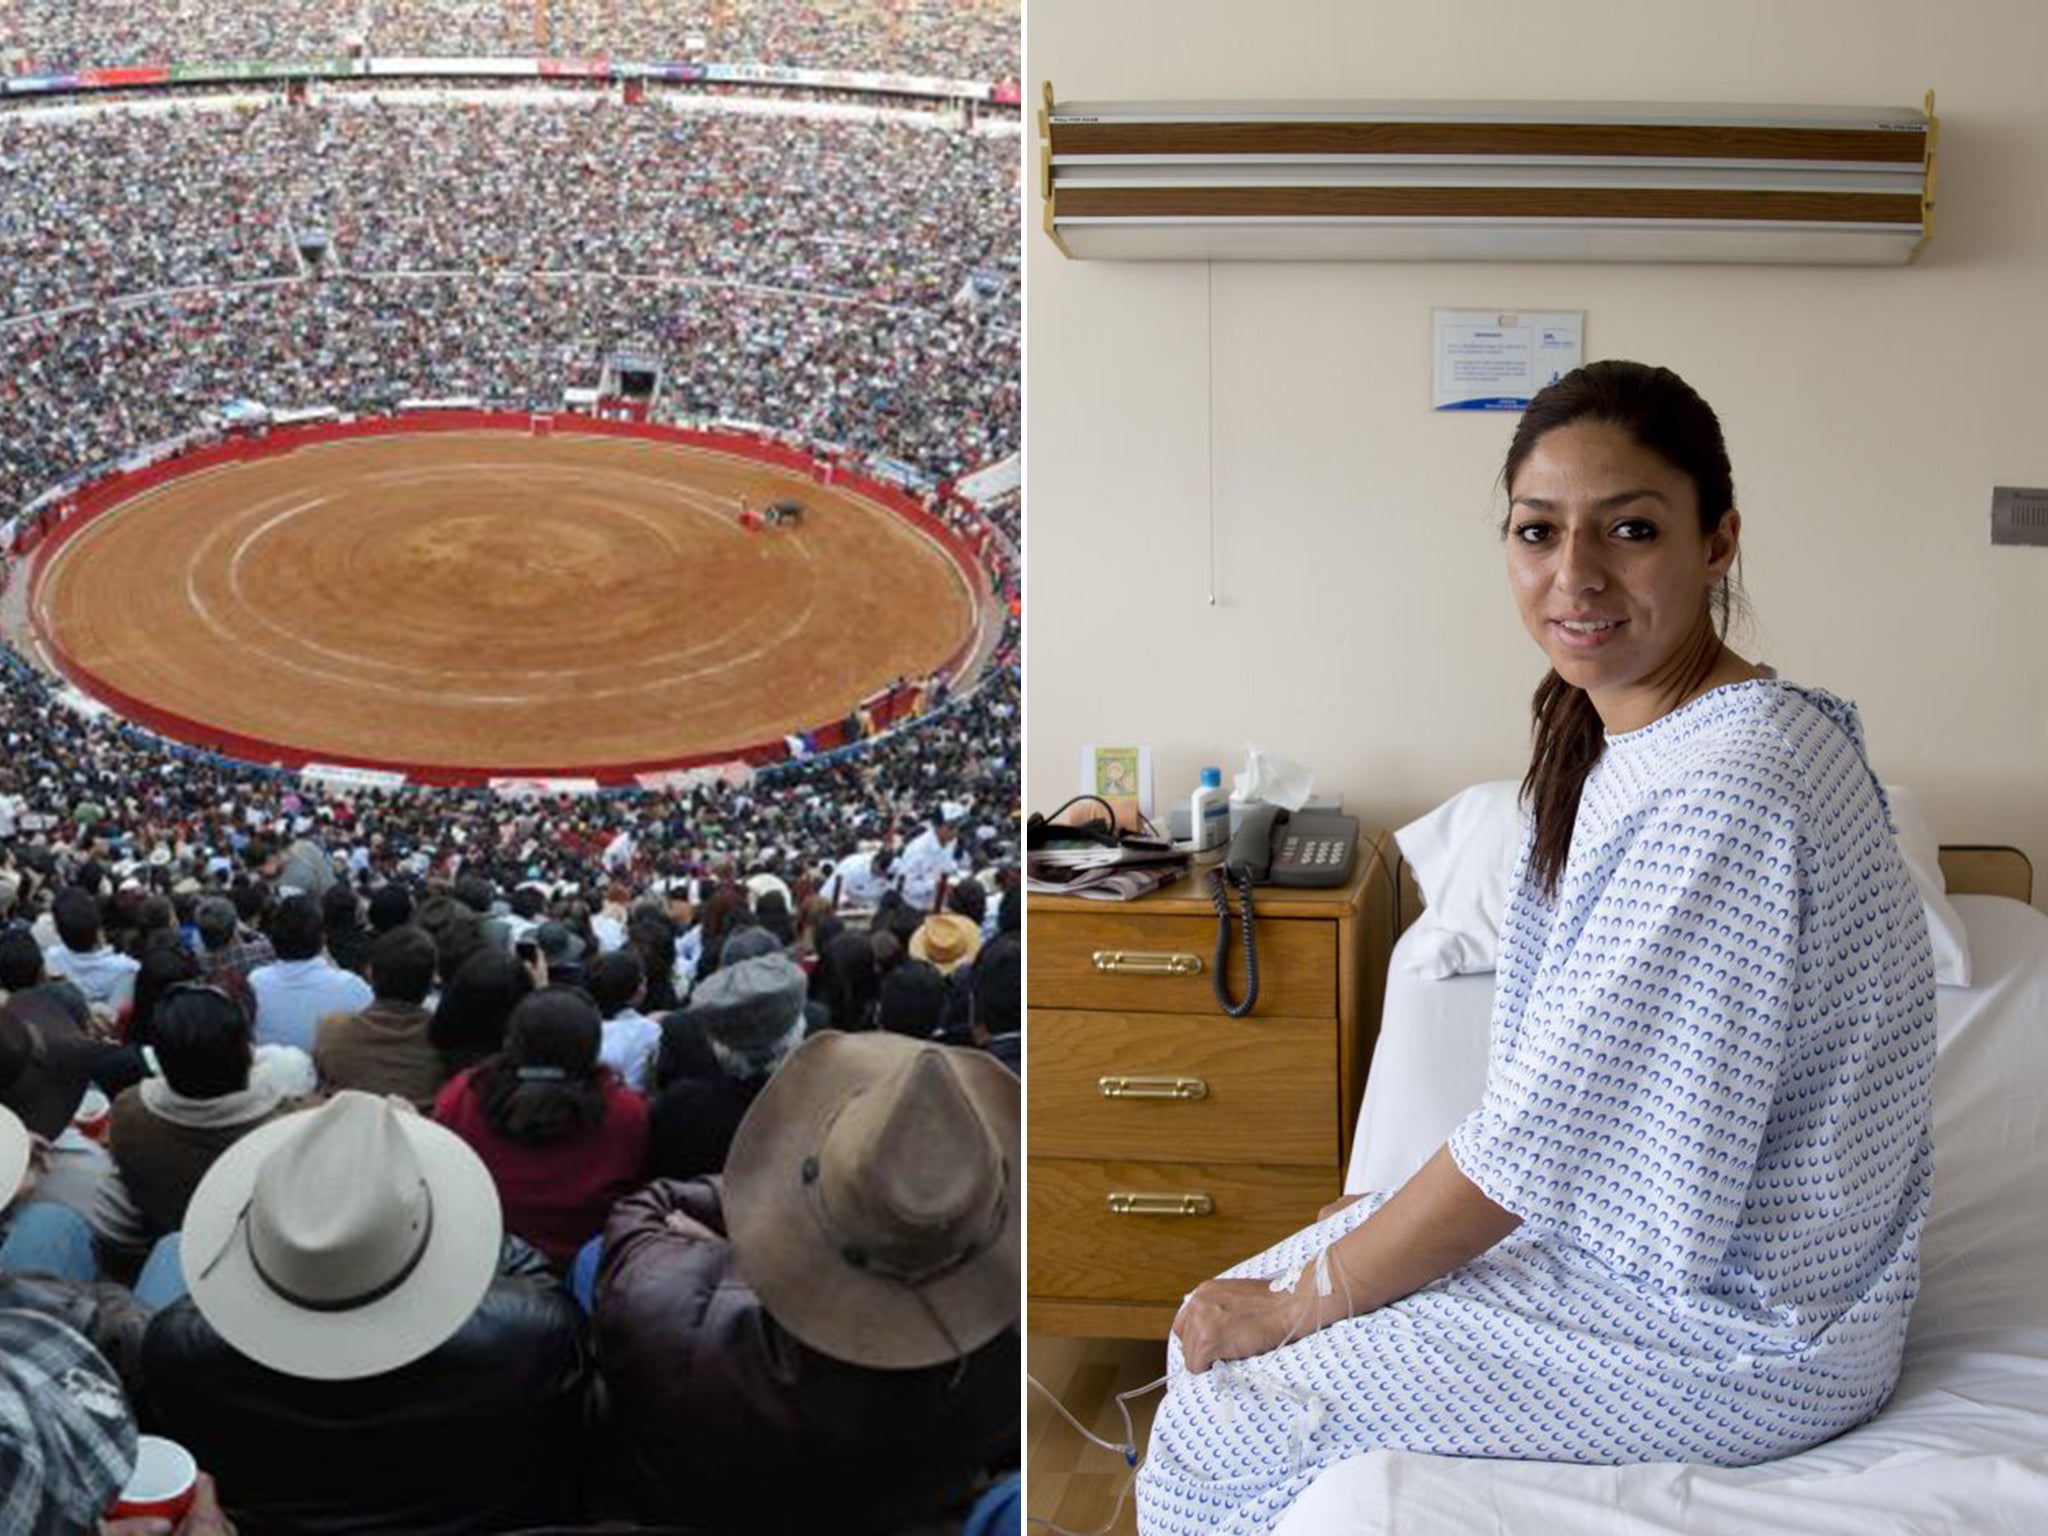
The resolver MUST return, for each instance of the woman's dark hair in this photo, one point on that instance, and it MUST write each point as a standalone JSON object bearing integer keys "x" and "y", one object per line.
{"x": 546, "y": 1085}
{"x": 726, "y": 909}
{"x": 653, "y": 937}
{"x": 847, "y": 983}
{"x": 469, "y": 1021}
{"x": 1661, "y": 412}
{"x": 203, "y": 1042}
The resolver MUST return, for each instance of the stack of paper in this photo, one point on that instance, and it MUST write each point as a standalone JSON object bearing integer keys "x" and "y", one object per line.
{"x": 1104, "y": 874}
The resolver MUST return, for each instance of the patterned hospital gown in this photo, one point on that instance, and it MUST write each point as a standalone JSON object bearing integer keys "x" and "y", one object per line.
{"x": 1707, "y": 1098}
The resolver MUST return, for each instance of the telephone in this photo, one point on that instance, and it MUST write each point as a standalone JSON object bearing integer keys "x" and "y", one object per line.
{"x": 1274, "y": 846}
{"x": 1277, "y": 847}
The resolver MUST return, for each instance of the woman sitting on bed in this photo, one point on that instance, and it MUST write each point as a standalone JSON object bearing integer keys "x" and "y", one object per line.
{"x": 1683, "y": 1223}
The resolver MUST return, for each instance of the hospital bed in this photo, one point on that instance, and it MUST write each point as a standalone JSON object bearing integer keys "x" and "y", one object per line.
{"x": 1962, "y": 1446}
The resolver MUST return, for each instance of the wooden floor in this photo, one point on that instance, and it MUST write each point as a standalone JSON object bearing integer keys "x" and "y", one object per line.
{"x": 498, "y": 601}
{"x": 1067, "y": 1480}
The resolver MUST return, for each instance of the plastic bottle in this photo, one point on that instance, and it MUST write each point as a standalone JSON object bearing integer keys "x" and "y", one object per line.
{"x": 1209, "y": 818}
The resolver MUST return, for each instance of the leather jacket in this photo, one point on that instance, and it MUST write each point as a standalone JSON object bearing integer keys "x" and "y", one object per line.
{"x": 720, "y": 1417}
{"x": 485, "y": 1433}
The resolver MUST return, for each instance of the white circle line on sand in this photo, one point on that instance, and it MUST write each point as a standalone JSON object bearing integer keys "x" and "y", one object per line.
{"x": 437, "y": 676}
{"x": 707, "y": 505}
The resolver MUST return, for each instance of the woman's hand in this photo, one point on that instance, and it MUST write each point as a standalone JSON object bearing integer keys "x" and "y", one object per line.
{"x": 1236, "y": 1319}
{"x": 1341, "y": 1203}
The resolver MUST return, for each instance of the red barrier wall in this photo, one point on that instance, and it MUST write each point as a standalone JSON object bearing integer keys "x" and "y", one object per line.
{"x": 49, "y": 534}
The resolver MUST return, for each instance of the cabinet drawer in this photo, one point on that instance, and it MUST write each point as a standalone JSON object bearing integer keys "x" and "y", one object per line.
{"x": 1080, "y": 1248}
{"x": 1069, "y": 956}
{"x": 1207, "y": 1088}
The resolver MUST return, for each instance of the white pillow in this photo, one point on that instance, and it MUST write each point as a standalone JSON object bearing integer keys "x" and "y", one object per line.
{"x": 1464, "y": 853}
{"x": 1923, "y": 861}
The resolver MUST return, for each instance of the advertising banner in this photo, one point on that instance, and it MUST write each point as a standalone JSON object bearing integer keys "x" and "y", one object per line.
{"x": 538, "y": 789}
{"x": 259, "y": 69}
{"x": 415, "y": 66}
{"x": 352, "y": 778}
{"x": 141, "y": 74}
{"x": 997, "y": 479}
{"x": 665, "y": 71}
{"x": 33, "y": 85}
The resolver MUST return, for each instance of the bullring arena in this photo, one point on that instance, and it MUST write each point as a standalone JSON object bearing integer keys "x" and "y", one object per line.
{"x": 554, "y": 598}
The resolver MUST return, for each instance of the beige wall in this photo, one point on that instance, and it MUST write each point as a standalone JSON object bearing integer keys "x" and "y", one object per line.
{"x": 1362, "y": 622}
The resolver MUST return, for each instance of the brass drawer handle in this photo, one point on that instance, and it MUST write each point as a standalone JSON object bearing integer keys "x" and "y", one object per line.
{"x": 1148, "y": 962}
{"x": 1124, "y": 1203}
{"x": 1152, "y": 1087}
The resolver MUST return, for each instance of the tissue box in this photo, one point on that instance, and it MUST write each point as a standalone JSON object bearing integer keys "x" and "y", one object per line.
{"x": 1180, "y": 820}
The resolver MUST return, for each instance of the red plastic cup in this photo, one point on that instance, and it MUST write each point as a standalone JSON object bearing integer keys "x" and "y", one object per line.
{"x": 162, "y": 1486}
{"x": 93, "y": 1115}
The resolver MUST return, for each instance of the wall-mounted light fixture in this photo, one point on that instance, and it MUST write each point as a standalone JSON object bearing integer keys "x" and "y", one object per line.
{"x": 1487, "y": 181}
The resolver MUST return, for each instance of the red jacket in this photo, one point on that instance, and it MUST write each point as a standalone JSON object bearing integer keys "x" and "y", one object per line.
{"x": 556, "y": 1196}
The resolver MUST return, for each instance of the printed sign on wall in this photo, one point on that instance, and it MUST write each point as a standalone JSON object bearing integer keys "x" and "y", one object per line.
{"x": 1496, "y": 360}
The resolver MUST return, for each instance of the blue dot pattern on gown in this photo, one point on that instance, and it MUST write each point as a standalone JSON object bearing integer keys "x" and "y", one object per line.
{"x": 1708, "y": 1099}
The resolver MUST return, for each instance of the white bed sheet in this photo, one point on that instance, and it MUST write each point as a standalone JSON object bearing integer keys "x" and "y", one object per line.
{"x": 1963, "y": 1445}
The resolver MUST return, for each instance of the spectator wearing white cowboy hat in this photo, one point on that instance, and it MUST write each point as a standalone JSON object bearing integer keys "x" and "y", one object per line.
{"x": 847, "y": 1296}
{"x": 362, "y": 1347}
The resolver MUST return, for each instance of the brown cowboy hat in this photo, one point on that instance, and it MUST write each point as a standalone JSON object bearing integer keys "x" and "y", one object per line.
{"x": 871, "y": 1195}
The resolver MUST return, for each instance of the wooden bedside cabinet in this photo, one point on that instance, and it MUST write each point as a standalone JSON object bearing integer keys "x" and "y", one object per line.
{"x": 1169, "y": 1141}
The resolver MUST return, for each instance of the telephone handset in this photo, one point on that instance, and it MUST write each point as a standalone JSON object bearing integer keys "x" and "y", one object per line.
{"x": 1274, "y": 846}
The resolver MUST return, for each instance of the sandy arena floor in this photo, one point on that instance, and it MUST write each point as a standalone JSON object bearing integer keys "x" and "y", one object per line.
{"x": 500, "y": 602}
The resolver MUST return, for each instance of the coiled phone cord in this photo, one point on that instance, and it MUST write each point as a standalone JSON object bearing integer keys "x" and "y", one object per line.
{"x": 1220, "y": 894}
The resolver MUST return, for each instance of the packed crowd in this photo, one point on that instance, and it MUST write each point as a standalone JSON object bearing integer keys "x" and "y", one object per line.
{"x": 954, "y": 39}
{"x": 160, "y": 807}
{"x": 776, "y": 288}
{"x": 937, "y": 390}
{"x": 881, "y": 211}
{"x": 299, "y": 1134}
